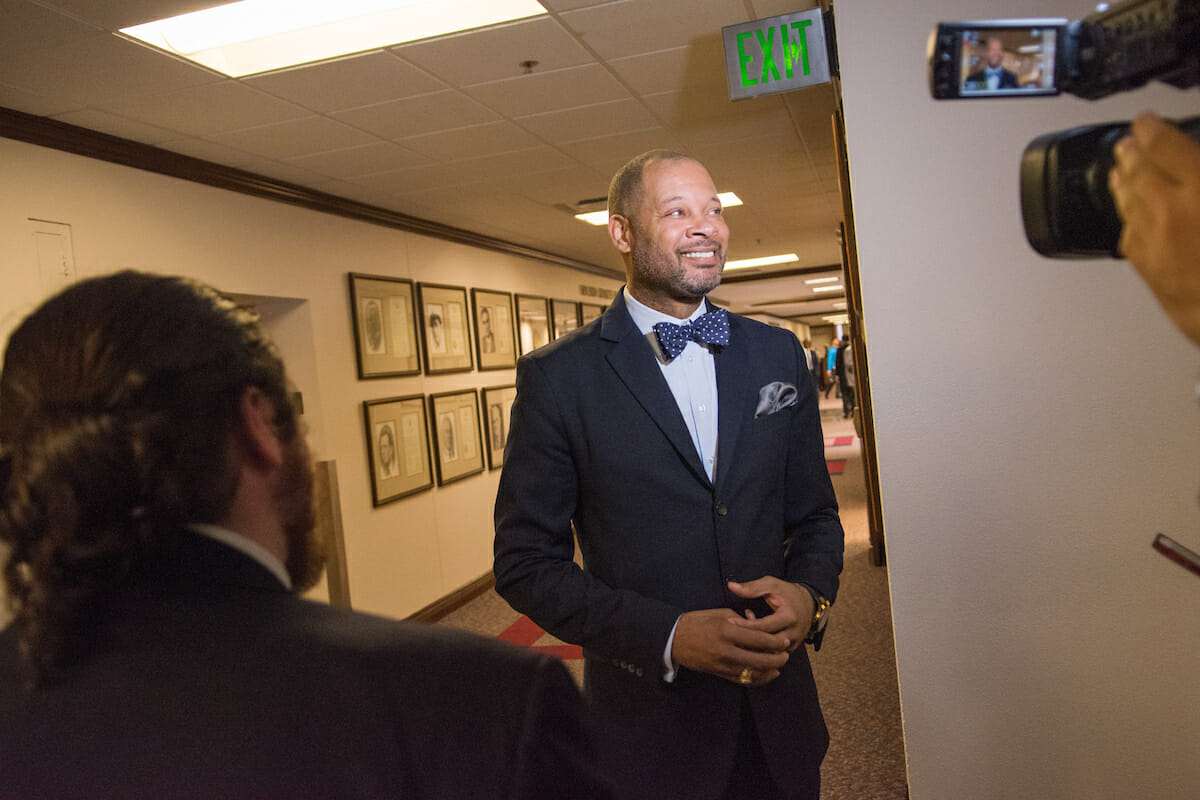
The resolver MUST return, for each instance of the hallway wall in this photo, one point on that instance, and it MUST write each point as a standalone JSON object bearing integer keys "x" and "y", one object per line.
{"x": 1037, "y": 425}
{"x": 401, "y": 556}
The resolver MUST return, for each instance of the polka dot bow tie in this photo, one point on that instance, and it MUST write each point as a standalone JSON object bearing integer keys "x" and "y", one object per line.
{"x": 710, "y": 328}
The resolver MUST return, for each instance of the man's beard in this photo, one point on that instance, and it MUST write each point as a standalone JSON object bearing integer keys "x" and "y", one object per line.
{"x": 306, "y": 551}
{"x": 666, "y": 272}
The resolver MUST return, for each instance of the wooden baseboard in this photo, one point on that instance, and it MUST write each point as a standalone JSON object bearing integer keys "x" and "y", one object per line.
{"x": 438, "y": 609}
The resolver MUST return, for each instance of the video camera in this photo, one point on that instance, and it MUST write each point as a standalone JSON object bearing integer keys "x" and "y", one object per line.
{"x": 1065, "y": 202}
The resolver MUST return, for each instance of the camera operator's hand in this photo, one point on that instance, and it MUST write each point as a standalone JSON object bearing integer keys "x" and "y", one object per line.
{"x": 1156, "y": 186}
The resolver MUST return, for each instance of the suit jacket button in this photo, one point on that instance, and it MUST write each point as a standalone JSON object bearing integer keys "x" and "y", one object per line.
{"x": 722, "y": 509}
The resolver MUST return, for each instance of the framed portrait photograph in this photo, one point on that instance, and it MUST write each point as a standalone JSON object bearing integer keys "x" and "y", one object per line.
{"x": 589, "y": 312}
{"x": 533, "y": 322}
{"x": 385, "y": 327}
{"x": 445, "y": 328}
{"x": 566, "y": 317}
{"x": 495, "y": 334}
{"x": 457, "y": 443}
{"x": 397, "y": 431}
{"x": 497, "y": 406}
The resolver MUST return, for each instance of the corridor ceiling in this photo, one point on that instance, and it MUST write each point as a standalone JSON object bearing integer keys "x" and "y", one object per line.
{"x": 506, "y": 131}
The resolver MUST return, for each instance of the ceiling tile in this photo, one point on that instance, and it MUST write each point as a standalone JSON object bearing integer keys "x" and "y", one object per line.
{"x": 620, "y": 30}
{"x": 26, "y": 26}
{"x": 117, "y": 126}
{"x": 41, "y": 105}
{"x": 566, "y": 186}
{"x": 520, "y": 163}
{"x": 359, "y": 80}
{"x": 296, "y": 138}
{"x": 699, "y": 117}
{"x": 98, "y": 70}
{"x": 478, "y": 140}
{"x": 496, "y": 53}
{"x": 610, "y": 153}
{"x": 417, "y": 115}
{"x": 588, "y": 122}
{"x": 362, "y": 160}
{"x": 405, "y": 182}
{"x": 549, "y": 91}
{"x": 210, "y": 109}
{"x": 700, "y": 66}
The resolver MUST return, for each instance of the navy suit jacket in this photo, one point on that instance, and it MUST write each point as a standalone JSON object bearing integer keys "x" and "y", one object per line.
{"x": 597, "y": 443}
{"x": 208, "y": 679}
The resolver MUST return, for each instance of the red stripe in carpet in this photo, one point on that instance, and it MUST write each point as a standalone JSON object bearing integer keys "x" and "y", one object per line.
{"x": 839, "y": 441}
{"x": 525, "y": 632}
{"x": 836, "y": 467}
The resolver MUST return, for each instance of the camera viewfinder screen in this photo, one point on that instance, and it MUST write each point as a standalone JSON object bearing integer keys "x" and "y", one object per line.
{"x": 1008, "y": 61}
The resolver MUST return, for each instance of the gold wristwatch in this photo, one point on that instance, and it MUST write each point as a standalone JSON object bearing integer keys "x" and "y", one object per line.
{"x": 816, "y": 631}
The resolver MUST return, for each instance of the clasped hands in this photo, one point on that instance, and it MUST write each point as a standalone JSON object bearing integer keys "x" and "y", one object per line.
{"x": 722, "y": 642}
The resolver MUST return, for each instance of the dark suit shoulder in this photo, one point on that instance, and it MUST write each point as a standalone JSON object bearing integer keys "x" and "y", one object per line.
{"x": 266, "y": 694}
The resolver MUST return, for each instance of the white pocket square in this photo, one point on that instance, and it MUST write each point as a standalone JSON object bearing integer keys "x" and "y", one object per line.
{"x": 774, "y": 397}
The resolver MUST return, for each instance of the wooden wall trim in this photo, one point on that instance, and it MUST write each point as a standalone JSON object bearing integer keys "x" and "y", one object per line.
{"x": 57, "y": 135}
{"x": 438, "y": 609}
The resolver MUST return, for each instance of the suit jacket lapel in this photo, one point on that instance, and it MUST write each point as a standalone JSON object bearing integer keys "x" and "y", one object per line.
{"x": 735, "y": 400}
{"x": 632, "y": 358}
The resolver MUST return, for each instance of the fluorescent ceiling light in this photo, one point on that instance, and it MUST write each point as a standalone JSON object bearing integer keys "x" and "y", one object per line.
{"x": 593, "y": 217}
{"x": 255, "y": 36}
{"x": 822, "y": 280}
{"x": 746, "y": 263}
{"x": 827, "y": 288}
{"x": 728, "y": 200}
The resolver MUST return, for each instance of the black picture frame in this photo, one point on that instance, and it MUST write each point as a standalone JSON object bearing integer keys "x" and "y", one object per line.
{"x": 565, "y": 317}
{"x": 589, "y": 312}
{"x": 495, "y": 329}
{"x": 497, "y": 410}
{"x": 533, "y": 322}
{"x": 405, "y": 421}
{"x": 457, "y": 438}
{"x": 445, "y": 328}
{"x": 385, "y": 328}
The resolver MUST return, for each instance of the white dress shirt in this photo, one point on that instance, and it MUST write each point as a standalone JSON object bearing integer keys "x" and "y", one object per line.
{"x": 692, "y": 376}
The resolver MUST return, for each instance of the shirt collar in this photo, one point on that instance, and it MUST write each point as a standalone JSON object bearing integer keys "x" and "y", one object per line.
{"x": 644, "y": 316}
{"x": 243, "y": 545}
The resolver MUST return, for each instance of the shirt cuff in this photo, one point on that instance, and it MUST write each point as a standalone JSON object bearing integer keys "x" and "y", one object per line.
{"x": 671, "y": 669}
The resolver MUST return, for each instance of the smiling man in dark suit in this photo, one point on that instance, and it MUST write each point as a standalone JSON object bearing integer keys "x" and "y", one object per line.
{"x": 683, "y": 448}
{"x": 156, "y": 503}
{"x": 993, "y": 76}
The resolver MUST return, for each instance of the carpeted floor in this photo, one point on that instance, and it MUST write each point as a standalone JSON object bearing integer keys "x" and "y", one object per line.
{"x": 855, "y": 669}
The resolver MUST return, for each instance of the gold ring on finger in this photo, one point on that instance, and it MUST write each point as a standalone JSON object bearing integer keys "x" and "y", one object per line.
{"x": 746, "y": 676}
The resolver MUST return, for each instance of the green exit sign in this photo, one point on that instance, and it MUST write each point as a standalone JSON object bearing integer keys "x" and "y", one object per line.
{"x": 776, "y": 54}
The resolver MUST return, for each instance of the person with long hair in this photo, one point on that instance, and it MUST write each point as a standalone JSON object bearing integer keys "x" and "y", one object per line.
{"x": 156, "y": 502}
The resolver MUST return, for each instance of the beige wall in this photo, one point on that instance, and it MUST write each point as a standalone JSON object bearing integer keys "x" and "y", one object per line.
{"x": 1044, "y": 649}
{"x": 401, "y": 556}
